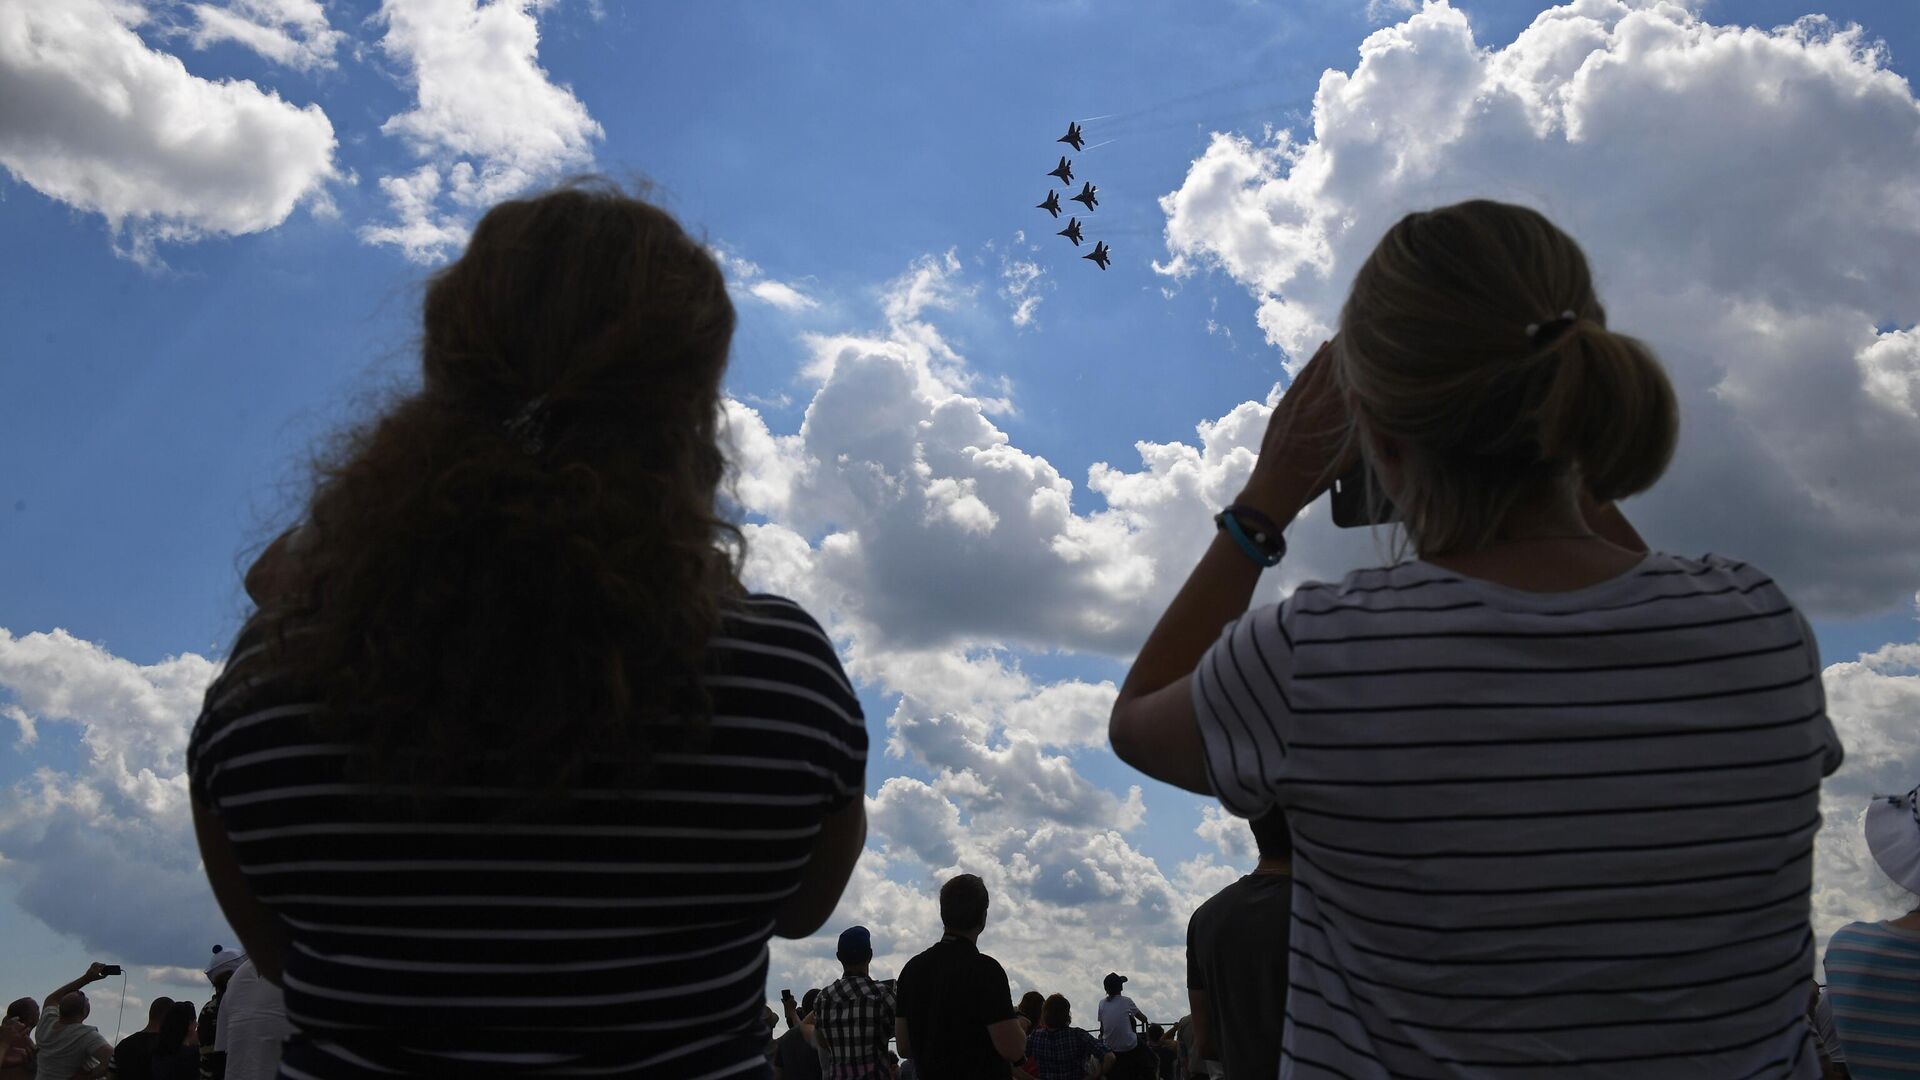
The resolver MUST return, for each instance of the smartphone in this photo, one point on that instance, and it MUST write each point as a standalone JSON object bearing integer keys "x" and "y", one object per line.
{"x": 110, "y": 969}
{"x": 1359, "y": 500}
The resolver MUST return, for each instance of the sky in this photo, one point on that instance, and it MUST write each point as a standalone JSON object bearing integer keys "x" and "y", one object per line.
{"x": 983, "y": 462}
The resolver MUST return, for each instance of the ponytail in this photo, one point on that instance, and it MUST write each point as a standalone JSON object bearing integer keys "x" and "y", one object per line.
{"x": 1609, "y": 410}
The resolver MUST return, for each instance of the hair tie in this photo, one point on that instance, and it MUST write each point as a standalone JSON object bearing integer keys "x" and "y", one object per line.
{"x": 1539, "y": 332}
{"x": 529, "y": 425}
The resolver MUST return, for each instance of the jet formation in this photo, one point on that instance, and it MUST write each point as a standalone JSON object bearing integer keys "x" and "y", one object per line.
{"x": 1088, "y": 197}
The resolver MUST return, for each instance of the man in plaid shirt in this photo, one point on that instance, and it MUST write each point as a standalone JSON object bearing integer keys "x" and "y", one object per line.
{"x": 854, "y": 1017}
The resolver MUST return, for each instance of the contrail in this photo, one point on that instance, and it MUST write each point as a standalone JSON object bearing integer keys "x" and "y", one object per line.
{"x": 1097, "y": 146}
{"x": 1091, "y": 119}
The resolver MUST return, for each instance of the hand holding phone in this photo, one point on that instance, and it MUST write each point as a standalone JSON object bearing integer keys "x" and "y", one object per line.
{"x": 1305, "y": 446}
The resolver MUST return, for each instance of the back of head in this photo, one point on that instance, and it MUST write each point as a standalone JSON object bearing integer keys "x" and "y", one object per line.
{"x": 521, "y": 563}
{"x": 1155, "y": 1032}
{"x": 180, "y": 1019}
{"x": 26, "y": 1010}
{"x": 808, "y": 1000}
{"x": 74, "y": 1007}
{"x": 1057, "y": 1012}
{"x": 157, "y": 1011}
{"x": 1452, "y": 347}
{"x": 1271, "y": 835}
{"x": 1032, "y": 1003}
{"x": 963, "y": 903}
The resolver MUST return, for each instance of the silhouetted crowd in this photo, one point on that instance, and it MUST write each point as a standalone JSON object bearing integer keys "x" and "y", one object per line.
{"x": 236, "y": 1035}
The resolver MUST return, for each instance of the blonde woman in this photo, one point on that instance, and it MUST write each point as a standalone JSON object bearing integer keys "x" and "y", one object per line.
{"x": 1553, "y": 795}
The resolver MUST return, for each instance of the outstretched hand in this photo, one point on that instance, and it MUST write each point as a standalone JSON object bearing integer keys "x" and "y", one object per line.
{"x": 1305, "y": 448}
{"x": 96, "y": 971}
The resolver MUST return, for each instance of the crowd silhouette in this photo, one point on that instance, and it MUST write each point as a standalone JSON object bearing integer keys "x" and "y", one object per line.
{"x": 509, "y": 775}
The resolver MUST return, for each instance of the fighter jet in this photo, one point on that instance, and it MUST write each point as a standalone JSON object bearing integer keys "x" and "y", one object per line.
{"x": 1064, "y": 171}
{"x": 1100, "y": 253}
{"x": 1072, "y": 231}
{"x": 1052, "y": 205}
{"x": 1072, "y": 137}
{"x": 1086, "y": 195}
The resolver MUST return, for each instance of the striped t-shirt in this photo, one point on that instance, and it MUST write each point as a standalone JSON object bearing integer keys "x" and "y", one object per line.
{"x": 624, "y": 933}
{"x": 1535, "y": 834}
{"x": 1873, "y": 983}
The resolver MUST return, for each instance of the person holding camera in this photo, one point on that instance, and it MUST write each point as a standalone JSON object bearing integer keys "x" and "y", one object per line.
{"x": 1553, "y": 795}
{"x": 68, "y": 1046}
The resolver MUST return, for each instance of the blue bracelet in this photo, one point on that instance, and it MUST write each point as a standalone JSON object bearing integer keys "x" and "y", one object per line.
{"x": 1228, "y": 520}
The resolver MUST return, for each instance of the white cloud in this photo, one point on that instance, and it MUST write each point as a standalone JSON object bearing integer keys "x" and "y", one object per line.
{"x": 1020, "y": 283}
{"x": 93, "y": 117}
{"x": 487, "y": 118}
{"x": 1683, "y": 156}
{"x": 1384, "y": 10}
{"x": 782, "y": 295}
{"x": 290, "y": 32}
{"x": 423, "y": 233}
{"x": 1229, "y": 834}
{"x": 106, "y": 853}
{"x": 747, "y": 279}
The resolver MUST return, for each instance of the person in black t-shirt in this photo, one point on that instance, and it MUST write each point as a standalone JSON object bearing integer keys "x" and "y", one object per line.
{"x": 1237, "y": 959}
{"x": 956, "y": 1018}
{"x": 133, "y": 1056}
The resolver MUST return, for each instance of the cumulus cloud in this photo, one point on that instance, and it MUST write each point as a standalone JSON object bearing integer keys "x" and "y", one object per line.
{"x": 487, "y": 120}
{"x": 105, "y": 852}
{"x": 749, "y": 281}
{"x": 1020, "y": 285}
{"x": 290, "y": 32}
{"x": 93, "y": 117}
{"x": 1750, "y": 200}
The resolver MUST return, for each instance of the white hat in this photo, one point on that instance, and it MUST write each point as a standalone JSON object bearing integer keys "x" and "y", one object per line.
{"x": 1893, "y": 835}
{"x": 225, "y": 960}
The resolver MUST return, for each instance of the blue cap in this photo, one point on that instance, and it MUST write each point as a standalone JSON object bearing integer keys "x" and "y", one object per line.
{"x": 855, "y": 941}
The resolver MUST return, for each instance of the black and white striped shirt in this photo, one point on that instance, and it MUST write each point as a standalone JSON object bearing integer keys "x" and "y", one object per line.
{"x": 625, "y": 934}
{"x": 1535, "y": 833}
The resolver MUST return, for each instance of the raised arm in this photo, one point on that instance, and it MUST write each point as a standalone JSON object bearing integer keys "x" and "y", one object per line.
{"x": 95, "y": 972}
{"x": 1153, "y": 727}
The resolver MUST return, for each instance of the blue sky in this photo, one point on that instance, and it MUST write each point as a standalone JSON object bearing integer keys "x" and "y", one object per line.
{"x": 157, "y": 402}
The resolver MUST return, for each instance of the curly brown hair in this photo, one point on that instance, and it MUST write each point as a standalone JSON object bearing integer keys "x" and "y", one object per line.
{"x": 488, "y": 593}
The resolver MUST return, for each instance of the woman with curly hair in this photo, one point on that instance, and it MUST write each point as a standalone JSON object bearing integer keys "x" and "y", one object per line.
{"x": 509, "y": 774}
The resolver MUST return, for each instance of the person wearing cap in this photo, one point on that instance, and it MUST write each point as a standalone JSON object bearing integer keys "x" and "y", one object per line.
{"x": 957, "y": 1020}
{"x": 1117, "y": 1013}
{"x": 854, "y": 1016}
{"x": 1873, "y": 969}
{"x": 220, "y": 969}
{"x": 253, "y": 1025}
